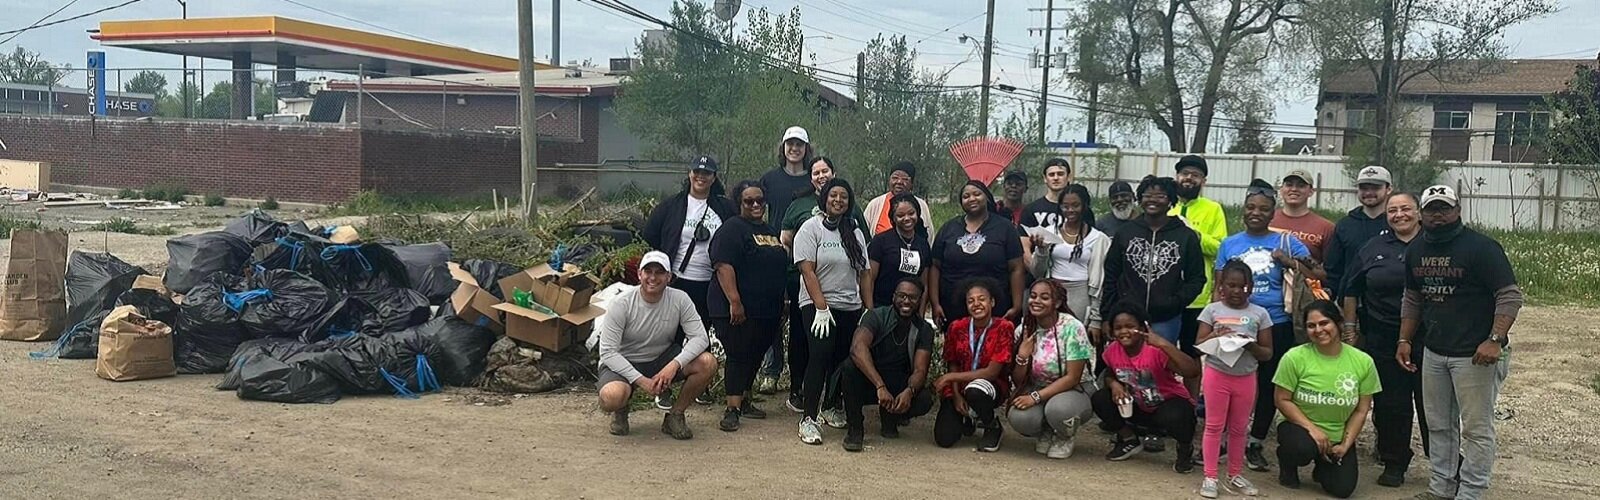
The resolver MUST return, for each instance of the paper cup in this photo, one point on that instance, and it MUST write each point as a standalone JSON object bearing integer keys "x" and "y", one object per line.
{"x": 1125, "y": 408}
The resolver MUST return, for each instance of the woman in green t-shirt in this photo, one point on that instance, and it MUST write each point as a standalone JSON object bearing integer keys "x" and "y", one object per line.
{"x": 1324, "y": 391}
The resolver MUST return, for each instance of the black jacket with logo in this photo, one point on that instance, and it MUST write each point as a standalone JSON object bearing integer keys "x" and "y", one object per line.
{"x": 1163, "y": 270}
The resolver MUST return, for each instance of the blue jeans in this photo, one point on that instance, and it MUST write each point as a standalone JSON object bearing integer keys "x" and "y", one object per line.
{"x": 1459, "y": 398}
{"x": 1169, "y": 329}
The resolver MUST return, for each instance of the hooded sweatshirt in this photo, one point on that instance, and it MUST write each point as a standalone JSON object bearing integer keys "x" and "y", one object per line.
{"x": 1349, "y": 235}
{"x": 1211, "y": 225}
{"x": 1163, "y": 270}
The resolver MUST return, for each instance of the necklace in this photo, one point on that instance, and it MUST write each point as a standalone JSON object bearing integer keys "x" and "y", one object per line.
{"x": 904, "y": 240}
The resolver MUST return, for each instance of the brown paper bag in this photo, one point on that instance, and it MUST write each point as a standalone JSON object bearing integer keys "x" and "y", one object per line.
{"x": 33, "y": 299}
{"x": 134, "y": 348}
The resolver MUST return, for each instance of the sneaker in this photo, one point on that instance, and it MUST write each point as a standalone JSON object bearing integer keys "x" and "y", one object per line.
{"x": 794, "y": 403}
{"x": 1123, "y": 449}
{"x": 704, "y": 399}
{"x": 749, "y": 410}
{"x": 1238, "y": 485}
{"x": 766, "y": 384}
{"x": 674, "y": 425}
{"x": 990, "y": 442}
{"x": 1208, "y": 487}
{"x": 1154, "y": 444}
{"x": 1428, "y": 495}
{"x": 890, "y": 429}
{"x": 1289, "y": 478}
{"x": 1393, "y": 476}
{"x": 1184, "y": 463}
{"x": 665, "y": 400}
{"x": 852, "y": 440}
{"x": 1255, "y": 459}
{"x": 1045, "y": 441}
{"x": 730, "y": 420}
{"x": 1061, "y": 448}
{"x": 810, "y": 431}
{"x": 619, "y": 423}
{"x": 834, "y": 417}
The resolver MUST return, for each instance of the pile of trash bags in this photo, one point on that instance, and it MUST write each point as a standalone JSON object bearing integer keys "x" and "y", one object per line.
{"x": 292, "y": 313}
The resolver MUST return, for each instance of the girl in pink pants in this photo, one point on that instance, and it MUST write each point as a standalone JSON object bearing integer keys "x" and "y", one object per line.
{"x": 1230, "y": 388}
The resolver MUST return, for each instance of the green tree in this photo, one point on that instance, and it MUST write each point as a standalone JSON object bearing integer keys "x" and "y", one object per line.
{"x": 25, "y": 66}
{"x": 1574, "y": 136}
{"x": 147, "y": 82}
{"x": 171, "y": 105}
{"x": 218, "y": 103}
{"x": 1252, "y": 136}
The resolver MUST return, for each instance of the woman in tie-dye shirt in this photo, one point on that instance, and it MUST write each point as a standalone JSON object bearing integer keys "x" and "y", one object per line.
{"x": 1051, "y": 372}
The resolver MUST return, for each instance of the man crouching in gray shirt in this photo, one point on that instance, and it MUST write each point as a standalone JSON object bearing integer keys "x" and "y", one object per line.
{"x": 638, "y": 348}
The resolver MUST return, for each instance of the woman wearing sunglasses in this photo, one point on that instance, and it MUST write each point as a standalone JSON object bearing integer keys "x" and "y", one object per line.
{"x": 746, "y": 307}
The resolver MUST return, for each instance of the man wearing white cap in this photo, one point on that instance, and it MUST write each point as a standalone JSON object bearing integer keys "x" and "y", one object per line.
{"x": 639, "y": 348}
{"x": 1460, "y": 287}
{"x": 791, "y": 176}
{"x": 1359, "y": 226}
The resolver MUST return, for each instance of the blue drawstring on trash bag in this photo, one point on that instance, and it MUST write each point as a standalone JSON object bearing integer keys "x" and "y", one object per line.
{"x": 294, "y": 256}
{"x": 558, "y": 257}
{"x": 333, "y": 250}
{"x": 237, "y": 301}
{"x": 426, "y": 380}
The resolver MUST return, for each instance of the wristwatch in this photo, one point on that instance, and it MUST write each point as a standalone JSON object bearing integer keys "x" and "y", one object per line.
{"x": 1036, "y": 397}
{"x": 1499, "y": 338}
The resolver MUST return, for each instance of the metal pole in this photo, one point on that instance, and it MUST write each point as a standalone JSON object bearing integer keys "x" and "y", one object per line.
{"x": 183, "y": 87}
{"x": 361, "y": 93}
{"x": 444, "y": 96}
{"x": 1044, "y": 80}
{"x": 983, "y": 92}
{"x": 528, "y": 118}
{"x": 1094, "y": 110}
{"x": 555, "y": 32}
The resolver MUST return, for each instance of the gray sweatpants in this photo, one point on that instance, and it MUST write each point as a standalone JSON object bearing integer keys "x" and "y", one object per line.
{"x": 1053, "y": 414}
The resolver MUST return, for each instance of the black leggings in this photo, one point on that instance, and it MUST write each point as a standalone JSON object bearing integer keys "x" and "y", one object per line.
{"x": 1296, "y": 449}
{"x": 1175, "y": 417}
{"x": 824, "y": 356}
{"x": 1282, "y": 340}
{"x": 859, "y": 392}
{"x": 950, "y": 425}
{"x": 745, "y": 345}
{"x": 1394, "y": 406}
{"x": 799, "y": 331}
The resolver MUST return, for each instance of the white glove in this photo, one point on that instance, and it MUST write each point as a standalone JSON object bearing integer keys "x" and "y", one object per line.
{"x": 821, "y": 325}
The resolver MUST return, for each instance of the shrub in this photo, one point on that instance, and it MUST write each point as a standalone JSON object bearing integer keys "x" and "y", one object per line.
{"x": 270, "y": 204}
{"x": 215, "y": 200}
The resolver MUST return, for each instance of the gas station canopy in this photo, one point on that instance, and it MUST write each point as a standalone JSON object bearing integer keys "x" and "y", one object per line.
{"x": 294, "y": 44}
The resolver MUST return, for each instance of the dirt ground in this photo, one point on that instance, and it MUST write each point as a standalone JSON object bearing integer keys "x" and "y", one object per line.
{"x": 66, "y": 434}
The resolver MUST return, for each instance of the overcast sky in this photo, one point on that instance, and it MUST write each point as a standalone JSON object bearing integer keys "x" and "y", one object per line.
{"x": 590, "y": 32}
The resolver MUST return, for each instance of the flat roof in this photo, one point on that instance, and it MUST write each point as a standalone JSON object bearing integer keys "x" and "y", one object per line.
{"x": 71, "y": 90}
{"x": 314, "y": 46}
{"x": 556, "y": 81}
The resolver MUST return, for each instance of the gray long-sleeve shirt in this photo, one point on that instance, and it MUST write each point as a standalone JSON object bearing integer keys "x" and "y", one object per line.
{"x": 636, "y": 331}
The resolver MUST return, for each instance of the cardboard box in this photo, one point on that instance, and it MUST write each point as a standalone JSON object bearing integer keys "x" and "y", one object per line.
{"x": 566, "y": 293}
{"x": 472, "y": 303}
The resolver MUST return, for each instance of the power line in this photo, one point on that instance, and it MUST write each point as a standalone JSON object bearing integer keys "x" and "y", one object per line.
{"x": 70, "y": 19}
{"x": 367, "y": 24}
{"x": 42, "y": 19}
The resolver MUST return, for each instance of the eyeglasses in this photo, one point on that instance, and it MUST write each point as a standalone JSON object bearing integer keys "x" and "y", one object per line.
{"x": 754, "y": 202}
{"x": 906, "y": 296}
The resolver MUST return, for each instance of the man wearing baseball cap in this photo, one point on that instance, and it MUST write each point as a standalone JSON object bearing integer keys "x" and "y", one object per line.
{"x": 1205, "y": 217}
{"x": 1359, "y": 226}
{"x": 1461, "y": 285}
{"x": 639, "y": 348}
{"x": 1013, "y": 186}
{"x": 1122, "y": 210}
{"x": 1296, "y": 217}
{"x": 782, "y": 183}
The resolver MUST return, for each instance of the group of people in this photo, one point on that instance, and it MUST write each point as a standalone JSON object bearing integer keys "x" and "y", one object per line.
{"x": 1150, "y": 318}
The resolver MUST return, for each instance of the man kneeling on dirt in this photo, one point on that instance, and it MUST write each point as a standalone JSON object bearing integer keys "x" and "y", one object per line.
{"x": 638, "y": 348}
{"x": 888, "y": 365}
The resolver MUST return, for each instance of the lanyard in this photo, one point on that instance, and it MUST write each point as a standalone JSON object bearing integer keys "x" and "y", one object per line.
{"x": 976, "y": 355}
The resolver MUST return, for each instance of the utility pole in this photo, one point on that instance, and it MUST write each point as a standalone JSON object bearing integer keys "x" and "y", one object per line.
{"x": 183, "y": 88}
{"x": 555, "y": 32}
{"x": 528, "y": 118}
{"x": 1044, "y": 79}
{"x": 1094, "y": 110}
{"x": 861, "y": 74}
{"x": 988, "y": 51}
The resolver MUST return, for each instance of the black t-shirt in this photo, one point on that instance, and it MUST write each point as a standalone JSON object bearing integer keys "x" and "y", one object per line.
{"x": 890, "y": 336}
{"x": 1457, "y": 277}
{"x": 987, "y": 252}
{"x": 759, "y": 262}
{"x": 781, "y": 189}
{"x": 1041, "y": 213}
{"x": 1378, "y": 282}
{"x": 896, "y": 260}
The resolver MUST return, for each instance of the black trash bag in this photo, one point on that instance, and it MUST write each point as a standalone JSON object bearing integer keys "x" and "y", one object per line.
{"x": 94, "y": 280}
{"x": 364, "y": 268}
{"x": 257, "y": 227}
{"x": 581, "y": 254}
{"x": 264, "y": 378}
{"x": 427, "y": 269}
{"x": 350, "y": 316}
{"x": 463, "y": 349}
{"x": 298, "y": 252}
{"x": 278, "y": 348}
{"x": 398, "y": 363}
{"x": 208, "y": 331}
{"x": 488, "y": 274}
{"x": 192, "y": 258}
{"x": 151, "y": 304}
{"x": 281, "y": 303}
{"x": 79, "y": 341}
{"x": 397, "y": 308}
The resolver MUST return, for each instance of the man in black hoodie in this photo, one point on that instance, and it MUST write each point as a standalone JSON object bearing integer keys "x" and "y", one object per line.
{"x": 1359, "y": 227}
{"x": 1156, "y": 260}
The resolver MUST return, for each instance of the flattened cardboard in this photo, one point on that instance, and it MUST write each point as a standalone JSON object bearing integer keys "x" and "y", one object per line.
{"x": 474, "y": 304}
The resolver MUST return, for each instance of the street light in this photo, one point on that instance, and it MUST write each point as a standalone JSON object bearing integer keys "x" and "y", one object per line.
{"x": 801, "y": 59}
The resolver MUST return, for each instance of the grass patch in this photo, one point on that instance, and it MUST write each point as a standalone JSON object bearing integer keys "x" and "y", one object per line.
{"x": 128, "y": 226}
{"x": 215, "y": 200}
{"x": 127, "y": 194}
{"x": 374, "y": 203}
{"x": 1594, "y": 383}
{"x": 511, "y": 240}
{"x": 171, "y": 193}
{"x": 269, "y": 204}
{"x": 9, "y": 223}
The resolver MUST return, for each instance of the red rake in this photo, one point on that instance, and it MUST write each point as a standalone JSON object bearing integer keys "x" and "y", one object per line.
{"x": 985, "y": 157}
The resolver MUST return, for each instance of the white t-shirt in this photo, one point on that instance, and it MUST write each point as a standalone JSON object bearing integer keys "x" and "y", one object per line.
{"x": 1063, "y": 268}
{"x": 698, "y": 214}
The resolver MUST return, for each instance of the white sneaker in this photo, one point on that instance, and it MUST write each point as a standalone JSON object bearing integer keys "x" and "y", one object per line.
{"x": 1046, "y": 440}
{"x": 1062, "y": 448}
{"x": 835, "y": 418}
{"x": 1241, "y": 486}
{"x": 810, "y": 431}
{"x": 1208, "y": 488}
